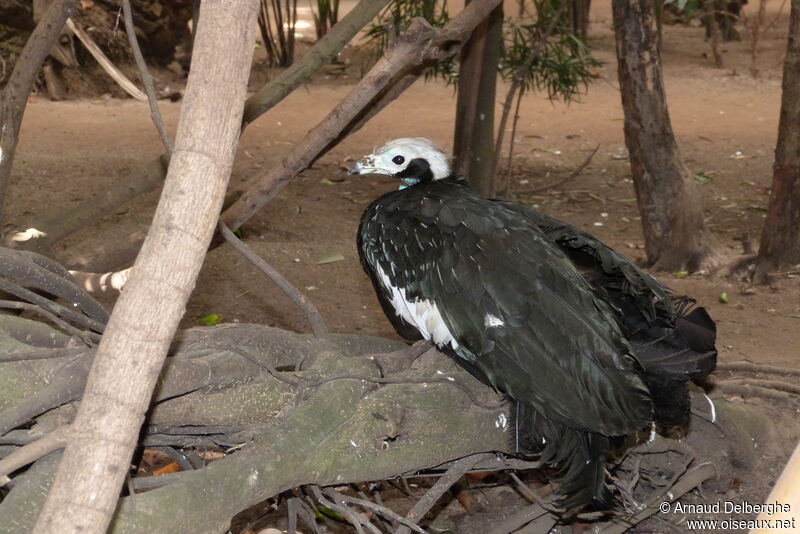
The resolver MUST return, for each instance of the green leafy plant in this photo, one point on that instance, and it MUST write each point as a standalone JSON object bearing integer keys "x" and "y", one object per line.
{"x": 325, "y": 16}
{"x": 563, "y": 68}
{"x": 396, "y": 17}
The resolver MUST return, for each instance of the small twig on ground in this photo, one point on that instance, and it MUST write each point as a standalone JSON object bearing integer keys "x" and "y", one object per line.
{"x": 453, "y": 475}
{"x": 32, "y": 451}
{"x": 342, "y": 509}
{"x": 529, "y": 494}
{"x": 571, "y": 175}
{"x": 296, "y": 507}
{"x": 147, "y": 80}
{"x": 377, "y": 508}
{"x": 302, "y": 302}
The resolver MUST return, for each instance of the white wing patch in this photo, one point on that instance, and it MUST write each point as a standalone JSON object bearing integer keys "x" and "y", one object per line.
{"x": 423, "y": 314}
{"x": 490, "y": 321}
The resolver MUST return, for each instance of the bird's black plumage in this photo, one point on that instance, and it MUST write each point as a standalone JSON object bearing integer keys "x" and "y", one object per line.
{"x": 590, "y": 347}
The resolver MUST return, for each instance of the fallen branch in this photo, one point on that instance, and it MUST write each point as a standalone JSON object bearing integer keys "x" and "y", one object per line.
{"x": 377, "y": 508}
{"x": 50, "y": 306}
{"x": 748, "y": 390}
{"x": 418, "y": 44}
{"x": 147, "y": 79}
{"x": 122, "y": 80}
{"x": 300, "y": 300}
{"x": 357, "y": 520}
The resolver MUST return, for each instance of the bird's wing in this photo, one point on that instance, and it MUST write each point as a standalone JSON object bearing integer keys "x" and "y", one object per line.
{"x": 612, "y": 271}
{"x": 515, "y": 303}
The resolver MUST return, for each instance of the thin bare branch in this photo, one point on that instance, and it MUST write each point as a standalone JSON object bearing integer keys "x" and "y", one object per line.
{"x": 445, "y": 482}
{"x": 147, "y": 79}
{"x": 301, "y": 301}
{"x": 519, "y": 79}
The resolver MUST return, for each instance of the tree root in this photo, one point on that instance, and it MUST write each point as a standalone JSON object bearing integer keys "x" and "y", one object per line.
{"x": 33, "y": 451}
{"x": 295, "y": 410}
{"x": 748, "y": 367}
{"x": 21, "y": 270}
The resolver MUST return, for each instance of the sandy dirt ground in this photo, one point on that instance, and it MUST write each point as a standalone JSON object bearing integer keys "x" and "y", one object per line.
{"x": 725, "y": 122}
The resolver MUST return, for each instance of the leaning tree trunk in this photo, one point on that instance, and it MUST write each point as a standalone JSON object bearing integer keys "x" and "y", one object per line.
{"x": 675, "y": 234}
{"x": 130, "y": 356}
{"x": 473, "y": 144}
{"x": 780, "y": 240}
{"x": 14, "y": 97}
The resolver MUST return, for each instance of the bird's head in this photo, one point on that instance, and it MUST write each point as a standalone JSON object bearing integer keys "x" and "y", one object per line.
{"x": 411, "y": 159}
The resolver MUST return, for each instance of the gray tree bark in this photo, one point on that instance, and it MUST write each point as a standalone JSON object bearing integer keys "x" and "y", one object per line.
{"x": 128, "y": 361}
{"x": 780, "y": 238}
{"x": 675, "y": 234}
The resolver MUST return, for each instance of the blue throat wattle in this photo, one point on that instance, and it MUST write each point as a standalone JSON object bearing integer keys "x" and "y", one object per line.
{"x": 407, "y": 182}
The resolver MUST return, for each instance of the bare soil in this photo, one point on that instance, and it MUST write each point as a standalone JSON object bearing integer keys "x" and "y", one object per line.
{"x": 725, "y": 120}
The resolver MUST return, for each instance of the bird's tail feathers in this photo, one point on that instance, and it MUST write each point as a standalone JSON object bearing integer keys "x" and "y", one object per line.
{"x": 576, "y": 457}
{"x": 670, "y": 359}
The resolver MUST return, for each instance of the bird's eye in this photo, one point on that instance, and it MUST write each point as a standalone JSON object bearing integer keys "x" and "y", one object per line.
{"x": 398, "y": 160}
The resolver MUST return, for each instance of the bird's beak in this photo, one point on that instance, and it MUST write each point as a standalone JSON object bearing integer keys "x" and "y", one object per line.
{"x": 356, "y": 169}
{"x": 366, "y": 165}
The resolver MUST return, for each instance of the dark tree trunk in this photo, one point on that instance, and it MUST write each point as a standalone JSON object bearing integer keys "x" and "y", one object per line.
{"x": 780, "y": 240}
{"x": 579, "y": 18}
{"x": 672, "y": 216}
{"x": 473, "y": 144}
